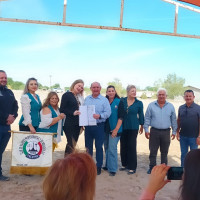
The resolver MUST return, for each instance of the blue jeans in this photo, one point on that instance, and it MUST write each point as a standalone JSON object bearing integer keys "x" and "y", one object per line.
{"x": 4, "y": 139}
{"x": 95, "y": 133}
{"x": 186, "y": 142}
{"x": 110, "y": 145}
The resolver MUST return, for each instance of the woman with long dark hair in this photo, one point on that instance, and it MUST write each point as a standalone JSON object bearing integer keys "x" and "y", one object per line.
{"x": 113, "y": 130}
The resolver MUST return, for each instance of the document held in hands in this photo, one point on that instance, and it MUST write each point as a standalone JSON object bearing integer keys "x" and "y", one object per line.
{"x": 86, "y": 117}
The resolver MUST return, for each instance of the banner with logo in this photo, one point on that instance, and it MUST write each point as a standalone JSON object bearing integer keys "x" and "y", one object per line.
{"x": 31, "y": 153}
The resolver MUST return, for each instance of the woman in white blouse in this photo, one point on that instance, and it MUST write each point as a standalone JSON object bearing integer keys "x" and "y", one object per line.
{"x": 51, "y": 118}
{"x": 31, "y": 106}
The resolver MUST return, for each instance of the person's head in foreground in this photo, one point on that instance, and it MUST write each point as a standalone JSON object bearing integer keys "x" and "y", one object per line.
{"x": 189, "y": 189}
{"x": 71, "y": 178}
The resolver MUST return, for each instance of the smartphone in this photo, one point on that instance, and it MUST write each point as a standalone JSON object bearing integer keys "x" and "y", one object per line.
{"x": 175, "y": 173}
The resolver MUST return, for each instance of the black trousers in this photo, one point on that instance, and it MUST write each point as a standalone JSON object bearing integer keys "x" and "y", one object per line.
{"x": 72, "y": 134}
{"x": 158, "y": 138}
{"x": 4, "y": 139}
{"x": 128, "y": 149}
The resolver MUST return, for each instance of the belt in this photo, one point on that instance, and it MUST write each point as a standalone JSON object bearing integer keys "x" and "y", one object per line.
{"x": 158, "y": 129}
{"x": 100, "y": 123}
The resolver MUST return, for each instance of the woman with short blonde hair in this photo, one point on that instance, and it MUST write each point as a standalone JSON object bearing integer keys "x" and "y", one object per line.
{"x": 132, "y": 124}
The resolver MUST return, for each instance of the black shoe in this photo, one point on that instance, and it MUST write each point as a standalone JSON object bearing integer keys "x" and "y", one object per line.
{"x": 122, "y": 168}
{"x": 131, "y": 172}
{"x": 4, "y": 178}
{"x": 98, "y": 170}
{"x": 112, "y": 173}
{"x": 149, "y": 171}
{"x": 105, "y": 168}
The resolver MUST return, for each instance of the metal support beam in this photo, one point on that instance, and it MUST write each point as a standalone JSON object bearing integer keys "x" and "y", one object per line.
{"x": 63, "y": 23}
{"x": 182, "y": 5}
{"x": 99, "y": 27}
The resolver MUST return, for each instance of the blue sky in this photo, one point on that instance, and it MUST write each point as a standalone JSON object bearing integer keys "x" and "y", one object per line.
{"x": 67, "y": 53}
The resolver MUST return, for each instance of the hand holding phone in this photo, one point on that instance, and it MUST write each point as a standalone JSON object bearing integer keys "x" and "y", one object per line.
{"x": 175, "y": 173}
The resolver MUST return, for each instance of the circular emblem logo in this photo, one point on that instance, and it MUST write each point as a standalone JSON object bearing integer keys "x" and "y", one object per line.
{"x": 32, "y": 147}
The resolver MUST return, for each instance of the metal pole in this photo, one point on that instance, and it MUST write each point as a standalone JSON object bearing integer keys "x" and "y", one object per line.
{"x": 176, "y": 19}
{"x": 122, "y": 13}
{"x": 64, "y": 11}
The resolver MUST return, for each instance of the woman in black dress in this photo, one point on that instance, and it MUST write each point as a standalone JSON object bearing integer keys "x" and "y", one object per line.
{"x": 70, "y": 107}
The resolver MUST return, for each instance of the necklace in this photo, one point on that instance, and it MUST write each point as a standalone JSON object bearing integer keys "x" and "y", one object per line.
{"x": 77, "y": 99}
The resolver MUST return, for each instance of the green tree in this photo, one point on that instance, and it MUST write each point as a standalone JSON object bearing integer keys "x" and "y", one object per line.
{"x": 15, "y": 85}
{"x": 67, "y": 88}
{"x": 18, "y": 85}
{"x": 10, "y": 82}
{"x": 174, "y": 85}
{"x": 158, "y": 84}
{"x": 57, "y": 85}
{"x": 40, "y": 86}
{"x": 143, "y": 96}
{"x": 150, "y": 88}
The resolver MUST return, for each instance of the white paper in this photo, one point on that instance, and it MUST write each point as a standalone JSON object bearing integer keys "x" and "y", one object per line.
{"x": 86, "y": 117}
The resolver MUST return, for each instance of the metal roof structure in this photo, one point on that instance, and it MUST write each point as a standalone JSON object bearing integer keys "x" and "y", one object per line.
{"x": 120, "y": 28}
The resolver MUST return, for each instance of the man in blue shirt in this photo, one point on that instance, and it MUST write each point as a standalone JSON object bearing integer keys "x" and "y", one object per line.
{"x": 188, "y": 132}
{"x": 102, "y": 112}
{"x": 8, "y": 114}
{"x": 160, "y": 115}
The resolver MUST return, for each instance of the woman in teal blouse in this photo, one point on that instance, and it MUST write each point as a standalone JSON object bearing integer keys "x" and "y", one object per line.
{"x": 133, "y": 118}
{"x": 51, "y": 118}
{"x": 31, "y": 106}
{"x": 113, "y": 130}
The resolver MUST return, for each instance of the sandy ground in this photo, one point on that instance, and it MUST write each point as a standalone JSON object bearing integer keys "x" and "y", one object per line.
{"x": 121, "y": 186}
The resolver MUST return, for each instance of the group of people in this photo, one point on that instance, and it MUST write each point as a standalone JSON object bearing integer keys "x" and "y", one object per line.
{"x": 117, "y": 119}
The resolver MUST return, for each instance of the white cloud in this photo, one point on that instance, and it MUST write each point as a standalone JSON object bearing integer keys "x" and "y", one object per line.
{"x": 24, "y": 9}
{"x": 48, "y": 41}
{"x": 128, "y": 59}
{"x": 53, "y": 40}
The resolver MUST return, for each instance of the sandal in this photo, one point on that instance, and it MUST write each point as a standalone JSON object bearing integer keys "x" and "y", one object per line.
{"x": 131, "y": 172}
